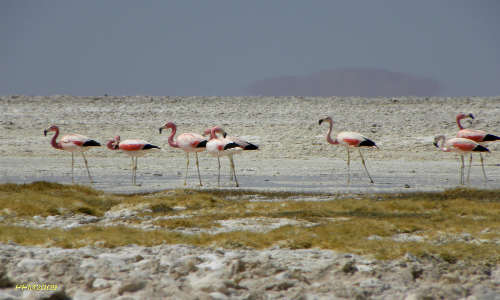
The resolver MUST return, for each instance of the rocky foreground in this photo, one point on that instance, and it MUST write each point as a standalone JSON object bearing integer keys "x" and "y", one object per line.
{"x": 187, "y": 272}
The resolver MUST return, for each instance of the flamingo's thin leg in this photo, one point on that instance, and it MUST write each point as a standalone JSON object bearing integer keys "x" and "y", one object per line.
{"x": 86, "y": 165}
{"x": 363, "y": 160}
{"x": 482, "y": 164}
{"x": 198, "y": 167}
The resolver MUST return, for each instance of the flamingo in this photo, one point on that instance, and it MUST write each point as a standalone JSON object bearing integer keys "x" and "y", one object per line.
{"x": 72, "y": 143}
{"x": 189, "y": 142}
{"x": 350, "y": 140}
{"x": 460, "y": 146}
{"x": 133, "y": 148}
{"x": 223, "y": 147}
{"x": 478, "y": 136}
{"x": 241, "y": 143}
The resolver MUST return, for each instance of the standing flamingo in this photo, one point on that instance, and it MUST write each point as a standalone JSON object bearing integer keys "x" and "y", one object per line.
{"x": 132, "y": 148}
{"x": 350, "y": 140}
{"x": 72, "y": 143}
{"x": 461, "y": 146}
{"x": 478, "y": 136}
{"x": 223, "y": 147}
{"x": 241, "y": 143}
{"x": 189, "y": 142}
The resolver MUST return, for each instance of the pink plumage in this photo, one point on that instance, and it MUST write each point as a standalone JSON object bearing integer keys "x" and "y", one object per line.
{"x": 246, "y": 146}
{"x": 460, "y": 146}
{"x": 188, "y": 142}
{"x": 133, "y": 148}
{"x": 350, "y": 140}
{"x": 219, "y": 147}
{"x": 72, "y": 143}
{"x": 478, "y": 136}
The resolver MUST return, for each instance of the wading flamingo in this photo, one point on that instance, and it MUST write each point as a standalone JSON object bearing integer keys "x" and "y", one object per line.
{"x": 222, "y": 147}
{"x": 241, "y": 143}
{"x": 350, "y": 140}
{"x": 189, "y": 142}
{"x": 133, "y": 148}
{"x": 460, "y": 146}
{"x": 72, "y": 143}
{"x": 478, "y": 136}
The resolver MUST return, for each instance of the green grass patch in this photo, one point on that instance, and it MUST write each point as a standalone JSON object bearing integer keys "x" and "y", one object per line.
{"x": 455, "y": 224}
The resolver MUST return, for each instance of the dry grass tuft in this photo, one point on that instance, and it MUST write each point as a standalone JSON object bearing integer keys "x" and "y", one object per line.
{"x": 455, "y": 224}
{"x": 46, "y": 198}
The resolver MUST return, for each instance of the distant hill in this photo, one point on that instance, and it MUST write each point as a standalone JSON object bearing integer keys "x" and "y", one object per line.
{"x": 359, "y": 82}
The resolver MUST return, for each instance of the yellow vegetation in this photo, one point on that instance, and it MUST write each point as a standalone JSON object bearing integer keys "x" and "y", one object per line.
{"x": 455, "y": 224}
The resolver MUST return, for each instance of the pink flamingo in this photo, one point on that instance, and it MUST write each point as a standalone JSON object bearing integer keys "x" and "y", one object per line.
{"x": 478, "y": 136}
{"x": 189, "y": 142}
{"x": 460, "y": 146}
{"x": 223, "y": 147}
{"x": 72, "y": 143}
{"x": 350, "y": 140}
{"x": 133, "y": 148}
{"x": 241, "y": 143}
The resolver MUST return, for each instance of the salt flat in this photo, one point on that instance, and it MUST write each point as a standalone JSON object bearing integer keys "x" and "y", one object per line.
{"x": 294, "y": 153}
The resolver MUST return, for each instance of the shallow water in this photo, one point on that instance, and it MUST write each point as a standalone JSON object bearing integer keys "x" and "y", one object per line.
{"x": 114, "y": 175}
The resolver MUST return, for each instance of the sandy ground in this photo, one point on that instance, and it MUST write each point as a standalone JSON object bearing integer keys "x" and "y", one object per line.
{"x": 294, "y": 153}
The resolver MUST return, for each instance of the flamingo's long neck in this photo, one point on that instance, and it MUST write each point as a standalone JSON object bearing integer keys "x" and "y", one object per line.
{"x": 213, "y": 135}
{"x": 442, "y": 139}
{"x": 54, "y": 143}
{"x": 329, "y": 135}
{"x": 171, "y": 138}
{"x": 112, "y": 146}
{"x": 459, "y": 117}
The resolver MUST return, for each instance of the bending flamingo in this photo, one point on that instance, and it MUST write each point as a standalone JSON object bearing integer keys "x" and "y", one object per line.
{"x": 460, "y": 146}
{"x": 133, "y": 148}
{"x": 72, "y": 143}
{"x": 189, "y": 142}
{"x": 222, "y": 147}
{"x": 241, "y": 143}
{"x": 350, "y": 140}
{"x": 478, "y": 136}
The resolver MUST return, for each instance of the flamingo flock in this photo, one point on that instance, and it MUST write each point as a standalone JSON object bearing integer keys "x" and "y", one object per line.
{"x": 466, "y": 142}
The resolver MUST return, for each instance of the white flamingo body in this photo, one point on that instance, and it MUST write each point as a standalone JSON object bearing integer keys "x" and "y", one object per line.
{"x": 460, "y": 146}
{"x": 137, "y": 148}
{"x": 188, "y": 142}
{"x": 133, "y": 148}
{"x": 72, "y": 143}
{"x": 350, "y": 140}
{"x": 246, "y": 146}
{"x": 478, "y": 136}
{"x": 75, "y": 143}
{"x": 219, "y": 147}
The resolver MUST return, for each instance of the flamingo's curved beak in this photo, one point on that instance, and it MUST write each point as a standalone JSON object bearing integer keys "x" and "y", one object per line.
{"x": 45, "y": 132}
{"x": 224, "y": 134}
{"x": 160, "y": 129}
{"x": 320, "y": 121}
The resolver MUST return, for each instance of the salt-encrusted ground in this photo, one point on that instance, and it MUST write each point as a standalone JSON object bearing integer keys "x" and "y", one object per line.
{"x": 294, "y": 156}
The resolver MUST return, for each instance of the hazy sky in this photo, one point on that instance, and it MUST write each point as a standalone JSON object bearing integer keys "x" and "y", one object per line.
{"x": 220, "y": 48}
